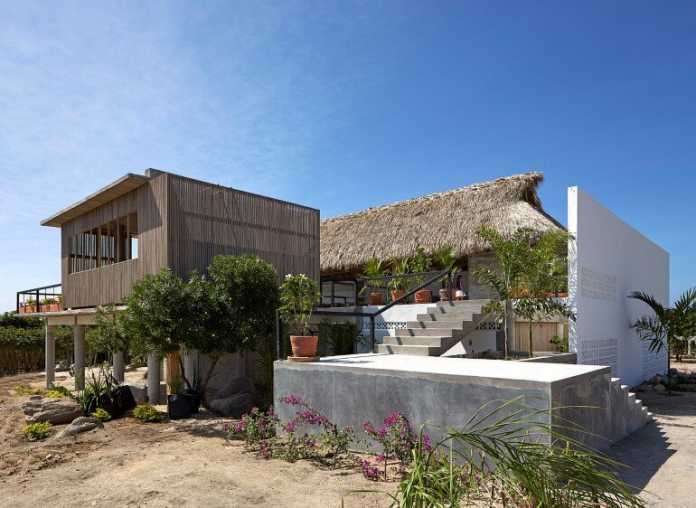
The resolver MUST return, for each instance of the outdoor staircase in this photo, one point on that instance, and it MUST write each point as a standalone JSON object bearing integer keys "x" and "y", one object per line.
{"x": 445, "y": 324}
{"x": 628, "y": 412}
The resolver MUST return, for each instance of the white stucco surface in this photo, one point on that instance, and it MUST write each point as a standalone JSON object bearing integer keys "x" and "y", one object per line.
{"x": 493, "y": 369}
{"x": 608, "y": 259}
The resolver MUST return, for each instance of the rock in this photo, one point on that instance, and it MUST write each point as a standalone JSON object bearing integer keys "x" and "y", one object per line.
{"x": 139, "y": 393}
{"x": 80, "y": 425}
{"x": 56, "y": 411}
{"x": 660, "y": 388}
{"x": 235, "y": 386}
{"x": 234, "y": 405}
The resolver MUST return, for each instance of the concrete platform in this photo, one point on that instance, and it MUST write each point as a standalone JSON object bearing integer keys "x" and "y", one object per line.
{"x": 445, "y": 393}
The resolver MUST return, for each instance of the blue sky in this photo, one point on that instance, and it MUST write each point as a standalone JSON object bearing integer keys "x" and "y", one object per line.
{"x": 343, "y": 105}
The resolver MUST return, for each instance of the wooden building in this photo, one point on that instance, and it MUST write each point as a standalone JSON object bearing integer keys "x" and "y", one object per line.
{"x": 140, "y": 224}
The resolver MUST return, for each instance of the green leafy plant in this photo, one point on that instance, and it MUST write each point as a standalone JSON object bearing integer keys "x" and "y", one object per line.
{"x": 147, "y": 413}
{"x": 529, "y": 265}
{"x": 667, "y": 326}
{"x": 527, "y": 472}
{"x": 37, "y": 431}
{"x": 57, "y": 392}
{"x": 399, "y": 269}
{"x": 298, "y": 296}
{"x": 560, "y": 343}
{"x": 337, "y": 338}
{"x": 102, "y": 415}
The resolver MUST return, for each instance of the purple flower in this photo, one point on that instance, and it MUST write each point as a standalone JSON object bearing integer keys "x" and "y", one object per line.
{"x": 292, "y": 400}
{"x": 289, "y": 427}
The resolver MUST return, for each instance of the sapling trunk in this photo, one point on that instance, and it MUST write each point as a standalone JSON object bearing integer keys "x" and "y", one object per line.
{"x": 206, "y": 379}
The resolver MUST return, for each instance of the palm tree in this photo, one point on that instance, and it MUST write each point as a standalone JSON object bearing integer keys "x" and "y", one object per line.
{"x": 668, "y": 325}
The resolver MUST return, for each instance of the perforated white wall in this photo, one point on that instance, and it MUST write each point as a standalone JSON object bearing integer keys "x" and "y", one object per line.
{"x": 607, "y": 260}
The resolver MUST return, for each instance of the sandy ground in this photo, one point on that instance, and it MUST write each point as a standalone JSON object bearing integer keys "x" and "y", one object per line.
{"x": 191, "y": 464}
{"x": 163, "y": 464}
{"x": 662, "y": 455}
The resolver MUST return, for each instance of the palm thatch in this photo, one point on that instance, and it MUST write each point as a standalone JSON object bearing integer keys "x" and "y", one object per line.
{"x": 453, "y": 218}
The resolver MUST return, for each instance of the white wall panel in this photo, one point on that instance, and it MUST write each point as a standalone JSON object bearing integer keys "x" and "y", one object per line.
{"x": 609, "y": 259}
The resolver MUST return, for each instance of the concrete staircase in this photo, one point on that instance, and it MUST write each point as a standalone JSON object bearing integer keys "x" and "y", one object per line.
{"x": 627, "y": 411}
{"x": 445, "y": 324}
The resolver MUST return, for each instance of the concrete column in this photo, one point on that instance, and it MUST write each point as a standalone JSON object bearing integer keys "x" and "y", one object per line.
{"x": 190, "y": 360}
{"x": 79, "y": 343}
{"x": 153, "y": 378}
{"x": 119, "y": 366}
{"x": 50, "y": 355}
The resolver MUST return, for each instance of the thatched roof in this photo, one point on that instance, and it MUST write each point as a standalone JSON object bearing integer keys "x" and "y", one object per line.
{"x": 445, "y": 218}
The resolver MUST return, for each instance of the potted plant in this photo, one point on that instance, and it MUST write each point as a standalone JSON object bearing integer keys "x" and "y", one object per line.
{"x": 445, "y": 256}
{"x": 420, "y": 264}
{"x": 298, "y": 296}
{"x": 178, "y": 405}
{"x": 374, "y": 270}
{"x": 399, "y": 283}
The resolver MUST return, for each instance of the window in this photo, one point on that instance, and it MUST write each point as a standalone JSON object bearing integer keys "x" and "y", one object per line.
{"x": 105, "y": 245}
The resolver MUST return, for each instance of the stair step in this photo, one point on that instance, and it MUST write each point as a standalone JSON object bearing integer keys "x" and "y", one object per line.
{"x": 421, "y": 341}
{"x": 436, "y": 332}
{"x": 414, "y": 350}
{"x": 460, "y": 316}
{"x": 439, "y": 324}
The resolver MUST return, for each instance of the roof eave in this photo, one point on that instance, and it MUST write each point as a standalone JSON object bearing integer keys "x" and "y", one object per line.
{"x": 112, "y": 191}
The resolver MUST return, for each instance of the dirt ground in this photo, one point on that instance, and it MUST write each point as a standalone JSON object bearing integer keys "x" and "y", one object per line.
{"x": 191, "y": 464}
{"x": 162, "y": 464}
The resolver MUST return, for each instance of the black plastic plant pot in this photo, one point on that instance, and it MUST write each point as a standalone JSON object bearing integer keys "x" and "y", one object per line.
{"x": 194, "y": 400}
{"x": 123, "y": 400}
{"x": 178, "y": 407}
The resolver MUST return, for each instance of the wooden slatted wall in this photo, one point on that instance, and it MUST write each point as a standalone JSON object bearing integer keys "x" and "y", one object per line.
{"x": 207, "y": 220}
{"x": 110, "y": 284}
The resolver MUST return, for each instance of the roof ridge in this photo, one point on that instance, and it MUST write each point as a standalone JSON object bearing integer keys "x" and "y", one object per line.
{"x": 529, "y": 175}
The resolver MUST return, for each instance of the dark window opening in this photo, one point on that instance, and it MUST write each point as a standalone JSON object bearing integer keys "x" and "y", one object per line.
{"x": 110, "y": 243}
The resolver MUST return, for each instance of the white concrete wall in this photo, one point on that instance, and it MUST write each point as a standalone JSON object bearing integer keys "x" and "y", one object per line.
{"x": 607, "y": 260}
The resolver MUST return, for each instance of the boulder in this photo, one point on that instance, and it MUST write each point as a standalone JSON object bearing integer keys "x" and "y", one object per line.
{"x": 235, "y": 386}
{"x": 80, "y": 425}
{"x": 234, "y": 405}
{"x": 55, "y": 411}
{"x": 139, "y": 393}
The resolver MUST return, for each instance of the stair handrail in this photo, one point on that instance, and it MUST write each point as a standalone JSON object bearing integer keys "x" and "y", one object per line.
{"x": 447, "y": 272}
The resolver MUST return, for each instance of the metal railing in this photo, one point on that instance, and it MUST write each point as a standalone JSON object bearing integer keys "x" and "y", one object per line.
{"x": 445, "y": 274}
{"x": 42, "y": 299}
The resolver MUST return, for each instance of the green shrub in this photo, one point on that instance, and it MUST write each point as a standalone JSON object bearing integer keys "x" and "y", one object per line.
{"x": 146, "y": 413}
{"x": 102, "y": 415}
{"x": 336, "y": 338}
{"x": 28, "y": 390}
{"x": 37, "y": 431}
{"x": 56, "y": 392}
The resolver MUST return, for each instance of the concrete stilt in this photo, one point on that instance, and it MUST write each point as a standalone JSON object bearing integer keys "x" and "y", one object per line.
{"x": 119, "y": 366}
{"x": 79, "y": 343}
{"x": 50, "y": 355}
{"x": 153, "y": 378}
{"x": 190, "y": 360}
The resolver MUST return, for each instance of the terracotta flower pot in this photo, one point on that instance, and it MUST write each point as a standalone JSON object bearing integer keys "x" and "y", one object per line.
{"x": 375, "y": 298}
{"x": 304, "y": 345}
{"x": 424, "y": 296}
{"x": 397, "y": 293}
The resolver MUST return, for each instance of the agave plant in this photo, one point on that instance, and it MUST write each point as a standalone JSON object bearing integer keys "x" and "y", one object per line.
{"x": 668, "y": 325}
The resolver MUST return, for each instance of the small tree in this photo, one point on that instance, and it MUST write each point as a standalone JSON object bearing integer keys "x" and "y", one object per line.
{"x": 544, "y": 274}
{"x": 530, "y": 266}
{"x": 668, "y": 325}
{"x": 161, "y": 315}
{"x": 241, "y": 300}
{"x": 108, "y": 334}
{"x": 512, "y": 254}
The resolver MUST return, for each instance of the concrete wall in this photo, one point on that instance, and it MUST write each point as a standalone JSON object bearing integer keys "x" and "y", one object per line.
{"x": 608, "y": 259}
{"x": 443, "y": 393}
